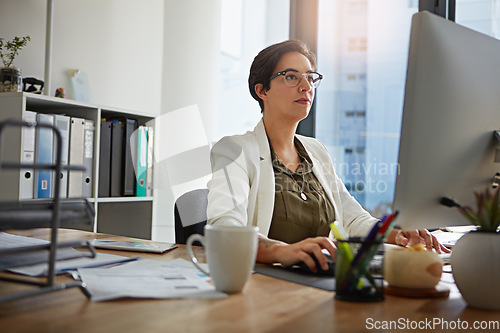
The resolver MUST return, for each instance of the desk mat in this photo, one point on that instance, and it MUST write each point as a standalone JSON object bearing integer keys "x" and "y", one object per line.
{"x": 289, "y": 274}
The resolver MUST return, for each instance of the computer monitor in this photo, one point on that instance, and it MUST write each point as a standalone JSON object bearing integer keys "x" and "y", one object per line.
{"x": 451, "y": 111}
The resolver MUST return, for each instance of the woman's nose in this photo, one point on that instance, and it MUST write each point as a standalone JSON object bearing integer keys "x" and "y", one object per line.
{"x": 304, "y": 84}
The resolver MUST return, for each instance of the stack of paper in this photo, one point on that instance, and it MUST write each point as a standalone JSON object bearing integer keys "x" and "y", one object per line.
{"x": 148, "y": 279}
{"x": 8, "y": 241}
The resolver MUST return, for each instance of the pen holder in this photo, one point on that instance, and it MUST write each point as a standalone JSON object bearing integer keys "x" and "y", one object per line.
{"x": 359, "y": 271}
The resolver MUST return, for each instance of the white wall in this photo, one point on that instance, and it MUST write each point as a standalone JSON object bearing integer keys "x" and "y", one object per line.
{"x": 190, "y": 84}
{"x": 151, "y": 55}
{"x": 117, "y": 43}
{"x": 21, "y": 18}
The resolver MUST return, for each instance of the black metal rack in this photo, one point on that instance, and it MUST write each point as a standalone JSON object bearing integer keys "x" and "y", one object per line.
{"x": 40, "y": 213}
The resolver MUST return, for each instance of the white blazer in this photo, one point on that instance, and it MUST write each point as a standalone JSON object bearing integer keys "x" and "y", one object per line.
{"x": 241, "y": 191}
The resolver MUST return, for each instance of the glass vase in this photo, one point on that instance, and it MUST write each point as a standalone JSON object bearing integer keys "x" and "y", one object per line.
{"x": 10, "y": 80}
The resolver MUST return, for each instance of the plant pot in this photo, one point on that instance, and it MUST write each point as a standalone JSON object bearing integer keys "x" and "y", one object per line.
{"x": 475, "y": 262}
{"x": 10, "y": 80}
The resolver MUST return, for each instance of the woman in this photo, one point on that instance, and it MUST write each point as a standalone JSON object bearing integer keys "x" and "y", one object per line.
{"x": 286, "y": 183}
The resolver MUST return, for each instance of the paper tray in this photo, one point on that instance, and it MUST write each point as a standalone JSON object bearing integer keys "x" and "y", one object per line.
{"x": 29, "y": 214}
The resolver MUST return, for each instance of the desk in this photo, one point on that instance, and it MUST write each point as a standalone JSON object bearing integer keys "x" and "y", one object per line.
{"x": 265, "y": 305}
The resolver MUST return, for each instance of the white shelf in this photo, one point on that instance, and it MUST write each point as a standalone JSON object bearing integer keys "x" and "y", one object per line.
{"x": 125, "y": 199}
{"x": 127, "y": 216}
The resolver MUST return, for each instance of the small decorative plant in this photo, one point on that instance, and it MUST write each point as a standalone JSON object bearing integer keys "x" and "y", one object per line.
{"x": 487, "y": 212}
{"x": 14, "y": 46}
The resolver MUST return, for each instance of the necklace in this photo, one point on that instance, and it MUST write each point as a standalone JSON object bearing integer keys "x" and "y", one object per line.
{"x": 302, "y": 194}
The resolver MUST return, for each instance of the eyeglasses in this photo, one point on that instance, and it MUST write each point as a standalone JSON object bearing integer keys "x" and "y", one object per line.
{"x": 292, "y": 77}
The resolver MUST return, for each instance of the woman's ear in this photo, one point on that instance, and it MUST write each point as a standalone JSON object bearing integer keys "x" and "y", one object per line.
{"x": 260, "y": 91}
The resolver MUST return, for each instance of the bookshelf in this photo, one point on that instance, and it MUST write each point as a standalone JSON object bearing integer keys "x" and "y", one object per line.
{"x": 125, "y": 216}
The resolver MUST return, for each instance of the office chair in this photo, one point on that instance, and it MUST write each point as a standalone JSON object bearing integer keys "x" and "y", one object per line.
{"x": 190, "y": 212}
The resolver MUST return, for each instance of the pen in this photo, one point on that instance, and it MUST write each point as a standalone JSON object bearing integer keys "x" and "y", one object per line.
{"x": 341, "y": 230}
{"x": 91, "y": 265}
{"x": 370, "y": 237}
{"x": 336, "y": 230}
{"x": 390, "y": 224}
{"x": 387, "y": 224}
{"x": 339, "y": 233}
{"x": 356, "y": 264}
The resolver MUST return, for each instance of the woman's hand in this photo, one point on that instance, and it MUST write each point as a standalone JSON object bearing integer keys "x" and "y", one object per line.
{"x": 414, "y": 237}
{"x": 271, "y": 251}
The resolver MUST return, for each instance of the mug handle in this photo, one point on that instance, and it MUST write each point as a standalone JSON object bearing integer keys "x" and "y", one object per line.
{"x": 189, "y": 244}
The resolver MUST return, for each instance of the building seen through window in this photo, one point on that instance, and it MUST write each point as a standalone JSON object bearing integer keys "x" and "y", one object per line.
{"x": 362, "y": 53}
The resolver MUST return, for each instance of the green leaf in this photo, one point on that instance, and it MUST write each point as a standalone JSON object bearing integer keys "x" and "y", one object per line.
{"x": 487, "y": 212}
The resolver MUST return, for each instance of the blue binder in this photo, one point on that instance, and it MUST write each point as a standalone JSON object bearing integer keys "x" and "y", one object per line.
{"x": 43, "y": 155}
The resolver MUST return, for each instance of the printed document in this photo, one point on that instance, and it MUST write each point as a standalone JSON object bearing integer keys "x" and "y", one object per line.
{"x": 147, "y": 278}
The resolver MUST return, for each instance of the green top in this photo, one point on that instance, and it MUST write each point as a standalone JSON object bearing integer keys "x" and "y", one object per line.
{"x": 301, "y": 207}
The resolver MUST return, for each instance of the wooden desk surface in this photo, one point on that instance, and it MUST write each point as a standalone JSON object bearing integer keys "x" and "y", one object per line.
{"x": 265, "y": 305}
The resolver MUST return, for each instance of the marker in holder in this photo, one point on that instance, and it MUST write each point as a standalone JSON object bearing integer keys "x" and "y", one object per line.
{"x": 359, "y": 279}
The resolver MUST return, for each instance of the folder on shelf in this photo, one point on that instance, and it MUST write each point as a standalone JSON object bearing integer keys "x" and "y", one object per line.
{"x": 28, "y": 157}
{"x": 63, "y": 124}
{"x": 140, "y": 140}
{"x": 104, "y": 159}
{"x": 75, "y": 178}
{"x": 129, "y": 180}
{"x": 116, "y": 172}
{"x": 43, "y": 155}
{"x": 149, "y": 172}
{"x": 88, "y": 158}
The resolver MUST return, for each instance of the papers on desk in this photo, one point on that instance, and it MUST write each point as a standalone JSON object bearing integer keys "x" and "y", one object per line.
{"x": 450, "y": 235}
{"x": 102, "y": 259}
{"x": 462, "y": 228}
{"x": 151, "y": 247}
{"x": 8, "y": 241}
{"x": 448, "y": 239}
{"x": 148, "y": 279}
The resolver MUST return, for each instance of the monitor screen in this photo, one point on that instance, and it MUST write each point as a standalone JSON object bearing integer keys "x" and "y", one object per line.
{"x": 448, "y": 146}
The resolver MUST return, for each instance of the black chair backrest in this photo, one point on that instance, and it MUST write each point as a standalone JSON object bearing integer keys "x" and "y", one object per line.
{"x": 190, "y": 212}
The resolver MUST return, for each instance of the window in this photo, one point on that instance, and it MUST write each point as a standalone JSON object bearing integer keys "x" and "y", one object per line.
{"x": 362, "y": 53}
{"x": 480, "y": 15}
{"x": 247, "y": 26}
{"x": 358, "y": 118}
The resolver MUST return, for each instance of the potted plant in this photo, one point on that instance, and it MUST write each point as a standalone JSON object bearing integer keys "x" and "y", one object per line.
{"x": 10, "y": 76}
{"x": 475, "y": 259}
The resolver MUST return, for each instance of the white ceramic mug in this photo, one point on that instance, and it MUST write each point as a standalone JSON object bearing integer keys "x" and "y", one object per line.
{"x": 230, "y": 253}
